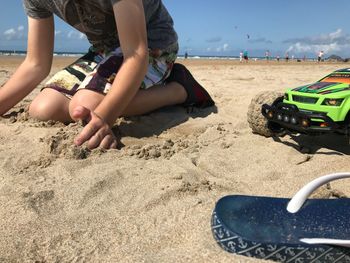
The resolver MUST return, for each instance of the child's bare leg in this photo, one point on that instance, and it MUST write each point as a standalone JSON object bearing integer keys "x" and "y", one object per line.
{"x": 144, "y": 101}
{"x": 50, "y": 105}
{"x": 156, "y": 97}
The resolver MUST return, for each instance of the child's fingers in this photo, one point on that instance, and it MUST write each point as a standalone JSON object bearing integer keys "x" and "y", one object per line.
{"x": 88, "y": 131}
{"x": 96, "y": 131}
{"x": 102, "y": 137}
{"x": 96, "y": 139}
{"x": 114, "y": 145}
{"x": 109, "y": 142}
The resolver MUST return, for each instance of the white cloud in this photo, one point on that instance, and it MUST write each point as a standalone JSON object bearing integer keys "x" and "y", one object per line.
{"x": 303, "y": 48}
{"x": 336, "y": 34}
{"x": 10, "y": 33}
{"x": 82, "y": 36}
{"x": 19, "y": 33}
{"x": 71, "y": 34}
{"x": 223, "y": 48}
{"x": 13, "y": 33}
{"x": 330, "y": 43}
{"x": 75, "y": 35}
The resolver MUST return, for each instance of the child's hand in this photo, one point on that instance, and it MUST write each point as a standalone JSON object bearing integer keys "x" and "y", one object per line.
{"x": 97, "y": 132}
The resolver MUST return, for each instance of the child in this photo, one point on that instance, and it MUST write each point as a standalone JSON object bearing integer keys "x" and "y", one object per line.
{"x": 129, "y": 70}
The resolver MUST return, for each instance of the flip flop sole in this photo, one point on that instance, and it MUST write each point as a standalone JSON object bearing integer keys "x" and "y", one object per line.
{"x": 261, "y": 227}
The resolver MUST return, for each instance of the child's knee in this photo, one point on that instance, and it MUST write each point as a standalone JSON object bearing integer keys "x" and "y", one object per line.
{"x": 46, "y": 110}
{"x": 41, "y": 110}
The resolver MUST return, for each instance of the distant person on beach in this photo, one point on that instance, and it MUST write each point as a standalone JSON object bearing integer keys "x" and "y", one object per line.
{"x": 267, "y": 55}
{"x": 186, "y": 55}
{"x": 287, "y": 57}
{"x": 245, "y": 55}
{"x": 320, "y": 56}
{"x": 278, "y": 58}
{"x": 241, "y": 56}
{"x": 129, "y": 69}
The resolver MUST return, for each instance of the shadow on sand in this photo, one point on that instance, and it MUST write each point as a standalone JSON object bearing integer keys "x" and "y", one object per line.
{"x": 160, "y": 120}
{"x": 335, "y": 143}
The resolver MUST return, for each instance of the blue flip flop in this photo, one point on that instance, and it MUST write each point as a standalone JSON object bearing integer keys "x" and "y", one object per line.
{"x": 296, "y": 230}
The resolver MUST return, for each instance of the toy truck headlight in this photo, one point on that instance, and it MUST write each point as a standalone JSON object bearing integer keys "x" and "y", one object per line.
{"x": 332, "y": 102}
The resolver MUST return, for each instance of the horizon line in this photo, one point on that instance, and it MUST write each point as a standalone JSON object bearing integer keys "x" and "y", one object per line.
{"x": 180, "y": 55}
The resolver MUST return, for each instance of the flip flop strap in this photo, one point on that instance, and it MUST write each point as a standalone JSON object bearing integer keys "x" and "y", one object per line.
{"x": 326, "y": 241}
{"x": 300, "y": 197}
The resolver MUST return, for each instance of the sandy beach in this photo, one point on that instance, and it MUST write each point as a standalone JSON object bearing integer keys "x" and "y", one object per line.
{"x": 152, "y": 199}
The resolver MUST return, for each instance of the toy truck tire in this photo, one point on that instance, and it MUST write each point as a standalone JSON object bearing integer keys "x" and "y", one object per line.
{"x": 257, "y": 122}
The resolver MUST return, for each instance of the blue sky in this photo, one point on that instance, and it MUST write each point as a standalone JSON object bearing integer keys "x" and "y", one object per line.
{"x": 224, "y": 27}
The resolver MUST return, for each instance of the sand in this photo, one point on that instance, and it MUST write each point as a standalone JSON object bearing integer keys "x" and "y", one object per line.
{"x": 152, "y": 199}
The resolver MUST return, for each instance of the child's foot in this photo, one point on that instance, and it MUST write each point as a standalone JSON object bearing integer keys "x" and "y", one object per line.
{"x": 197, "y": 96}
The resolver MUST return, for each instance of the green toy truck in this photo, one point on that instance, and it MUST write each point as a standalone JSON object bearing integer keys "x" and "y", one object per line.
{"x": 318, "y": 108}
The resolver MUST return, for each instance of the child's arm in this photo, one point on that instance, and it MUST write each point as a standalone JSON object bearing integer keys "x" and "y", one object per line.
{"x": 131, "y": 27}
{"x": 34, "y": 68}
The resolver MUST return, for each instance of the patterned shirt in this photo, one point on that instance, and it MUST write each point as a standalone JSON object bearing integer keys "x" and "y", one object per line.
{"x": 95, "y": 18}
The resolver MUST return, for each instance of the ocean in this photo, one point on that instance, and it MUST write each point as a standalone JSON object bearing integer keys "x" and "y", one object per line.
{"x": 79, "y": 54}
{"x": 23, "y": 53}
